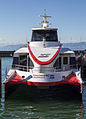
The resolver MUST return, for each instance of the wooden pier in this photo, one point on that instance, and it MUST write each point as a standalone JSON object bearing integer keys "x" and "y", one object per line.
{"x": 6, "y": 53}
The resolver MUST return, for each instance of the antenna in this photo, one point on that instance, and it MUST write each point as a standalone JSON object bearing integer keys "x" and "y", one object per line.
{"x": 26, "y": 39}
{"x": 45, "y": 23}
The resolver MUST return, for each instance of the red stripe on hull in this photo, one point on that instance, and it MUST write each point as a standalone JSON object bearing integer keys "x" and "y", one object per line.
{"x": 71, "y": 79}
{"x": 41, "y": 62}
{"x": 15, "y": 76}
{"x": 51, "y": 83}
{"x": 15, "y": 82}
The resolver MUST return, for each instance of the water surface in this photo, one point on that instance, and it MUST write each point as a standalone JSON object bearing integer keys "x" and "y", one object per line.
{"x": 42, "y": 108}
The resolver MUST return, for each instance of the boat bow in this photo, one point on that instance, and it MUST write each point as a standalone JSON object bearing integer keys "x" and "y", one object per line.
{"x": 43, "y": 56}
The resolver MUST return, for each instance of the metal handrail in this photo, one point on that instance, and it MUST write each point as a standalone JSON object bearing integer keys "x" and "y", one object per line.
{"x": 55, "y": 69}
{"x": 21, "y": 67}
{"x": 59, "y": 68}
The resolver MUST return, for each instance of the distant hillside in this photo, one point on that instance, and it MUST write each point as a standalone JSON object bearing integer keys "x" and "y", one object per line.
{"x": 76, "y": 46}
{"x": 72, "y": 46}
{"x": 11, "y": 47}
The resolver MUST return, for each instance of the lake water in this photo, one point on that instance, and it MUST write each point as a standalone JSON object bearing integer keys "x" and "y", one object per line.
{"x": 40, "y": 109}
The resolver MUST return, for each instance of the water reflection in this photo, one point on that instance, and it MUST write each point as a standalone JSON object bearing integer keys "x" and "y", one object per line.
{"x": 2, "y": 109}
{"x": 3, "y": 99}
{"x": 41, "y": 109}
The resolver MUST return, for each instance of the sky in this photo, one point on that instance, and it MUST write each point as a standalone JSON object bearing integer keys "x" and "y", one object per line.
{"x": 18, "y": 17}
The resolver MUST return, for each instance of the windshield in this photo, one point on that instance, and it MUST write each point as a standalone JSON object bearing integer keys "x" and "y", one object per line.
{"x": 49, "y": 35}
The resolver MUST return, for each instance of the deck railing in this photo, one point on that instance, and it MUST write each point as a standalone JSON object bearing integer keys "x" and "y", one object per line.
{"x": 44, "y": 69}
{"x": 66, "y": 67}
{"x": 21, "y": 67}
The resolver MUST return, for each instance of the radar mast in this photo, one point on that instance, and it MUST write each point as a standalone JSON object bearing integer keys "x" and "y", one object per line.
{"x": 45, "y": 23}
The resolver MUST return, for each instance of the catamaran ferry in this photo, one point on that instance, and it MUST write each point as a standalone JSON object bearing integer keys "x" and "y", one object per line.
{"x": 43, "y": 65}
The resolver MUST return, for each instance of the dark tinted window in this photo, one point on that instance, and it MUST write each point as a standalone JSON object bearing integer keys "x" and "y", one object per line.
{"x": 65, "y": 60}
{"x": 15, "y": 60}
{"x": 23, "y": 60}
{"x": 58, "y": 63}
{"x": 72, "y": 60}
{"x": 49, "y": 35}
{"x": 30, "y": 63}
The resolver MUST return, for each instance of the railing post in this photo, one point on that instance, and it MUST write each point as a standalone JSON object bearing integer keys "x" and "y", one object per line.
{"x": 27, "y": 63}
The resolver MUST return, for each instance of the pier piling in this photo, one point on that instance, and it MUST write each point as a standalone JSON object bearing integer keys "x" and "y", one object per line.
{"x": 0, "y": 76}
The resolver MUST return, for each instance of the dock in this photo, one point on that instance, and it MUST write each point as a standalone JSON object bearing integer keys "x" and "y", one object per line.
{"x": 6, "y": 53}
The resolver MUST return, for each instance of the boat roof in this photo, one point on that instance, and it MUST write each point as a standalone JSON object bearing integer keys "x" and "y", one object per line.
{"x": 66, "y": 51}
{"x": 54, "y": 29}
{"x": 62, "y": 51}
{"x": 21, "y": 50}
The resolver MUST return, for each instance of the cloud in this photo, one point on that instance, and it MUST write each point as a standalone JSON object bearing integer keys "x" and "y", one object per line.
{"x": 2, "y": 41}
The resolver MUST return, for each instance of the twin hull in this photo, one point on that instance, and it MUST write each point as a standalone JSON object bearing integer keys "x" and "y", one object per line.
{"x": 44, "y": 82}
